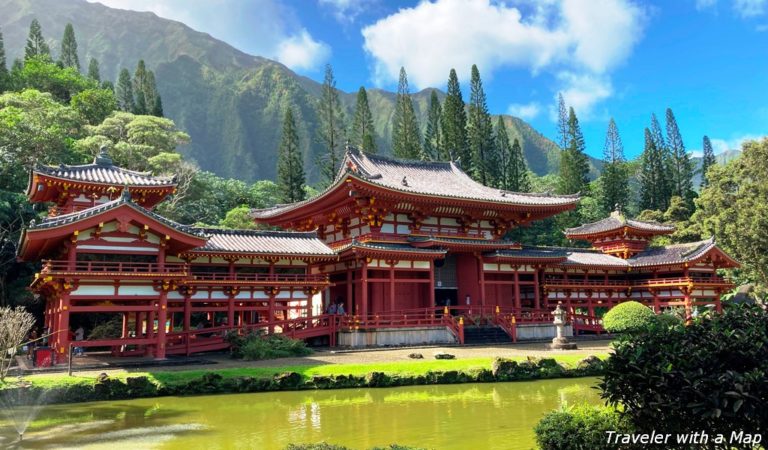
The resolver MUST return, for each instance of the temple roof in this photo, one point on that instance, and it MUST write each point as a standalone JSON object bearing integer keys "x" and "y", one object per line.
{"x": 615, "y": 222}
{"x": 429, "y": 178}
{"x": 125, "y": 199}
{"x": 593, "y": 258}
{"x": 102, "y": 171}
{"x": 269, "y": 242}
{"x": 437, "y": 241}
{"x": 672, "y": 254}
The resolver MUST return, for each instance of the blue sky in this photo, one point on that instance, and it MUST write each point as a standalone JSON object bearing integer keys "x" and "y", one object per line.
{"x": 706, "y": 59}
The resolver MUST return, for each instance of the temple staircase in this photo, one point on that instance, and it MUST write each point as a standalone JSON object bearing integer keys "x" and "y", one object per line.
{"x": 486, "y": 334}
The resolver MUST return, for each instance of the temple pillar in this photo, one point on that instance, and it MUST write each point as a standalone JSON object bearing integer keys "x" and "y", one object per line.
{"x": 432, "y": 284}
{"x": 481, "y": 278}
{"x": 150, "y": 332}
{"x": 187, "y": 312}
{"x": 518, "y": 304}
{"x": 364, "y": 289}
{"x": 231, "y": 310}
{"x": 162, "y": 318}
{"x": 392, "y": 286}
{"x": 63, "y": 326}
{"x": 271, "y": 313}
{"x": 353, "y": 309}
{"x": 125, "y": 326}
{"x": 536, "y": 288}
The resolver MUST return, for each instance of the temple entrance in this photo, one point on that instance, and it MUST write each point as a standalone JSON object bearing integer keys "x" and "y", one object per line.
{"x": 446, "y": 296}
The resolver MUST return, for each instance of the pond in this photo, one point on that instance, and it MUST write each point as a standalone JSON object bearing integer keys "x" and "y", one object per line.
{"x": 462, "y": 416}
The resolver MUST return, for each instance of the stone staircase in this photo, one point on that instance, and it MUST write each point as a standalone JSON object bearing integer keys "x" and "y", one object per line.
{"x": 485, "y": 335}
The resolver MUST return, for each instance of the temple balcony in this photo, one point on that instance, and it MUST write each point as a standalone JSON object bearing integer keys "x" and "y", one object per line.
{"x": 255, "y": 279}
{"x": 110, "y": 269}
{"x": 561, "y": 283}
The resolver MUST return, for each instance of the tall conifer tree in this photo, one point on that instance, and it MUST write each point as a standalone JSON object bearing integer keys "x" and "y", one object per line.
{"x": 454, "y": 124}
{"x": 5, "y": 76}
{"x": 682, "y": 169}
{"x": 331, "y": 131}
{"x": 665, "y": 188}
{"x": 480, "y": 133}
{"x": 363, "y": 134}
{"x": 520, "y": 181}
{"x": 512, "y": 173}
{"x": 124, "y": 91}
{"x": 36, "y": 45}
{"x": 93, "y": 70}
{"x": 574, "y": 164}
{"x": 708, "y": 160}
{"x": 290, "y": 167}
{"x": 562, "y": 122}
{"x": 151, "y": 96}
{"x": 433, "y": 139}
{"x": 139, "y": 88}
{"x": 69, "y": 56}
{"x": 653, "y": 186}
{"x": 406, "y": 142}
{"x": 615, "y": 177}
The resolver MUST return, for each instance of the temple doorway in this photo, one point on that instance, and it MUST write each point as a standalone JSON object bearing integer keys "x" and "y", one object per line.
{"x": 446, "y": 296}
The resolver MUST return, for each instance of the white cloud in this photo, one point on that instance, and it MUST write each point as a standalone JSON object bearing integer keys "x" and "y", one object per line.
{"x": 265, "y": 28}
{"x": 527, "y": 111}
{"x": 750, "y": 8}
{"x": 705, "y": 4}
{"x": 583, "y": 91}
{"x": 301, "y": 52}
{"x": 346, "y": 11}
{"x": 722, "y": 145}
{"x": 584, "y": 38}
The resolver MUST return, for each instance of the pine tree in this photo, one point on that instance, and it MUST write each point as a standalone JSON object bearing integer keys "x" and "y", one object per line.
{"x": 615, "y": 177}
{"x": 36, "y": 45}
{"x": 652, "y": 176}
{"x": 480, "y": 133}
{"x": 708, "y": 160}
{"x": 331, "y": 129}
{"x": 93, "y": 70}
{"x": 139, "y": 88}
{"x": 151, "y": 95}
{"x": 665, "y": 188}
{"x": 69, "y": 48}
{"x": 5, "y": 76}
{"x": 574, "y": 164}
{"x": 433, "y": 138}
{"x": 363, "y": 134}
{"x": 520, "y": 180}
{"x": 562, "y": 122}
{"x": 157, "y": 109}
{"x": 406, "y": 141}
{"x": 682, "y": 169}
{"x": 290, "y": 168}
{"x": 124, "y": 92}
{"x": 454, "y": 125}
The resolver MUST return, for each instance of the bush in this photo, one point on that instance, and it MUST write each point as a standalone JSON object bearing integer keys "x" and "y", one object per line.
{"x": 627, "y": 317}
{"x": 709, "y": 375}
{"x": 255, "y": 347}
{"x": 578, "y": 428}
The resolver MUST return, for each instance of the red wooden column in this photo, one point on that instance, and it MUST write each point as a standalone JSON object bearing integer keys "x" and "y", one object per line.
{"x": 481, "y": 279}
{"x": 392, "y": 285}
{"x": 518, "y": 304}
{"x": 187, "y": 312}
{"x": 271, "y": 313}
{"x": 536, "y": 289}
{"x": 63, "y": 326}
{"x": 162, "y": 318}
{"x": 432, "y": 284}
{"x": 353, "y": 308}
{"x": 364, "y": 289}
{"x": 231, "y": 296}
{"x": 150, "y": 330}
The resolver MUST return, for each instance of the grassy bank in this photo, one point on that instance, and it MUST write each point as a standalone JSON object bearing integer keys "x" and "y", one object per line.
{"x": 61, "y": 388}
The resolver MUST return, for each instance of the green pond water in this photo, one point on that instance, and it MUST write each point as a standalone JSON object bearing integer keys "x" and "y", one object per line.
{"x": 463, "y": 416}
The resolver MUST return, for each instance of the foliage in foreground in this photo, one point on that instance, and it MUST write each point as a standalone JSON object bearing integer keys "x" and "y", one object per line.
{"x": 580, "y": 427}
{"x": 15, "y": 324}
{"x": 326, "y": 446}
{"x": 709, "y": 375}
{"x": 627, "y": 317}
{"x": 256, "y": 346}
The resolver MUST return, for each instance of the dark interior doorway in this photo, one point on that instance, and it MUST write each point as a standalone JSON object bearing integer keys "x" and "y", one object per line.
{"x": 443, "y": 295}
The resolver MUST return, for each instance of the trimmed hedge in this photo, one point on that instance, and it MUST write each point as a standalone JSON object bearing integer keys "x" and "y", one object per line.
{"x": 254, "y": 346}
{"x": 106, "y": 388}
{"x": 580, "y": 427}
{"x": 627, "y": 317}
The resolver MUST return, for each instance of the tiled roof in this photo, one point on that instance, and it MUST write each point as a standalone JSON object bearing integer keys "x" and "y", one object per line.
{"x": 432, "y": 178}
{"x": 437, "y": 178}
{"x": 102, "y": 171}
{"x": 531, "y": 253}
{"x": 437, "y": 240}
{"x": 125, "y": 199}
{"x": 271, "y": 242}
{"x": 617, "y": 221}
{"x": 593, "y": 258}
{"x": 672, "y": 254}
{"x": 388, "y": 246}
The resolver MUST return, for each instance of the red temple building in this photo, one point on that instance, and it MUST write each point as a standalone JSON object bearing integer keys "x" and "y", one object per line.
{"x": 406, "y": 247}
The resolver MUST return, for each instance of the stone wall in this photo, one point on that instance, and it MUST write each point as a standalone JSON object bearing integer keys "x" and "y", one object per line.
{"x": 396, "y": 337}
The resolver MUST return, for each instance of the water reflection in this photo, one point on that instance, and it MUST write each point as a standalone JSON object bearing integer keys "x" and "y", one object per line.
{"x": 492, "y": 416}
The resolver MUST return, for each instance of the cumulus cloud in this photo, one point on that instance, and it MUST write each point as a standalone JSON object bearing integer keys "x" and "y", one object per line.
{"x": 583, "y": 91}
{"x": 722, "y": 145}
{"x": 581, "y": 39}
{"x": 301, "y": 52}
{"x": 346, "y": 11}
{"x": 527, "y": 111}
{"x": 266, "y": 28}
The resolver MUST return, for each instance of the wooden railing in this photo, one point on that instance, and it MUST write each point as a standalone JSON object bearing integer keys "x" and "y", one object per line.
{"x": 583, "y": 322}
{"x": 653, "y": 282}
{"x": 101, "y": 267}
{"x": 448, "y": 232}
{"x": 258, "y": 278}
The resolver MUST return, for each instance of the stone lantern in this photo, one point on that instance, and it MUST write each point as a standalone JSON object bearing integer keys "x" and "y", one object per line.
{"x": 560, "y": 341}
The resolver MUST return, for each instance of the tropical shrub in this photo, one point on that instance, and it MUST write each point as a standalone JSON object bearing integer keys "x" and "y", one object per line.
{"x": 627, "y": 317}
{"x": 709, "y": 375}
{"x": 580, "y": 427}
{"x": 255, "y": 346}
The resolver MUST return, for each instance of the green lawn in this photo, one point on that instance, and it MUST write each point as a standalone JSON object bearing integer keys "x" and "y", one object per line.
{"x": 415, "y": 367}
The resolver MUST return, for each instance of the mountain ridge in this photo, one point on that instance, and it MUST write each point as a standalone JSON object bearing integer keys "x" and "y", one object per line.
{"x": 231, "y": 103}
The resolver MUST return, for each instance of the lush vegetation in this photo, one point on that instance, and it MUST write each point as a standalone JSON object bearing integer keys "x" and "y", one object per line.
{"x": 709, "y": 375}
{"x": 627, "y": 317}
{"x": 580, "y": 427}
{"x": 326, "y": 446}
{"x": 255, "y": 346}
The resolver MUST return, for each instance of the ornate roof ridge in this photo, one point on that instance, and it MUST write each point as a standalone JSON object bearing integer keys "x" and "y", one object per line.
{"x": 50, "y": 170}
{"x": 258, "y": 233}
